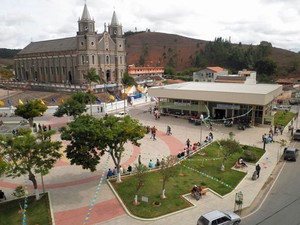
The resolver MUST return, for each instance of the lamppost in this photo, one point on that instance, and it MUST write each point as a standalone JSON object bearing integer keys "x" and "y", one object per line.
{"x": 38, "y": 141}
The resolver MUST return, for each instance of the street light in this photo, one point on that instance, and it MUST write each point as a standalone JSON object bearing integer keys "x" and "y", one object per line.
{"x": 38, "y": 141}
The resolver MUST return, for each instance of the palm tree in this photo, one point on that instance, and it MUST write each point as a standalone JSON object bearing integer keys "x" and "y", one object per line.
{"x": 126, "y": 82}
{"x": 91, "y": 77}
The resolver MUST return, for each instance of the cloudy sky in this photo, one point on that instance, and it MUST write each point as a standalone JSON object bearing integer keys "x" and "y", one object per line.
{"x": 245, "y": 21}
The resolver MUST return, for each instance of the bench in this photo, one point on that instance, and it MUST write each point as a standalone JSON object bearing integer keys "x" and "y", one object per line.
{"x": 237, "y": 165}
{"x": 204, "y": 190}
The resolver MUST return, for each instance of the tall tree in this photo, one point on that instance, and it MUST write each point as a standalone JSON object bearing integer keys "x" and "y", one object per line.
{"x": 140, "y": 176}
{"x": 167, "y": 170}
{"x": 75, "y": 105}
{"x": 229, "y": 147}
{"x": 92, "y": 77}
{"x": 127, "y": 81}
{"x": 91, "y": 137}
{"x": 30, "y": 110}
{"x": 29, "y": 154}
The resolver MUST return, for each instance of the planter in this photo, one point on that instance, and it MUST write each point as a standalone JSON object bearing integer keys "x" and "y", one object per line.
{"x": 156, "y": 204}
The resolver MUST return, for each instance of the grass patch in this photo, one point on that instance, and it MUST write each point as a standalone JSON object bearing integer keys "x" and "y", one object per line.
{"x": 38, "y": 212}
{"x": 282, "y": 118}
{"x": 210, "y": 164}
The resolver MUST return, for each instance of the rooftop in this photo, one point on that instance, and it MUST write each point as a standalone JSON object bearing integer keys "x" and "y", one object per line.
{"x": 222, "y": 87}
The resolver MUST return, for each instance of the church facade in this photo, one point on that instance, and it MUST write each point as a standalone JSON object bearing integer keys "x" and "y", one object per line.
{"x": 67, "y": 60}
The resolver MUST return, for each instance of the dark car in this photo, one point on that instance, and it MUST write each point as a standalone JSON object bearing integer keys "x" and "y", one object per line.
{"x": 290, "y": 154}
{"x": 296, "y": 135}
{"x": 294, "y": 101}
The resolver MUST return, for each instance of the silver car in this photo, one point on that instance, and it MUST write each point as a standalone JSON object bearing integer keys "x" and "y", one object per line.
{"x": 217, "y": 217}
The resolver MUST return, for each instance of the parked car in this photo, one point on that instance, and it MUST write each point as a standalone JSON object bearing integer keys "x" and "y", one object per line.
{"x": 217, "y": 217}
{"x": 290, "y": 154}
{"x": 121, "y": 114}
{"x": 294, "y": 101}
{"x": 282, "y": 108}
{"x": 296, "y": 135}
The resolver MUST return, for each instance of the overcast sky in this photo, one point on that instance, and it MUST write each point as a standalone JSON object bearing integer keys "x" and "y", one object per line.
{"x": 245, "y": 21}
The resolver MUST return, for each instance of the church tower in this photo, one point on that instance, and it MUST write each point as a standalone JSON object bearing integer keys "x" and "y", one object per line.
{"x": 116, "y": 34}
{"x": 85, "y": 24}
{"x": 86, "y": 44}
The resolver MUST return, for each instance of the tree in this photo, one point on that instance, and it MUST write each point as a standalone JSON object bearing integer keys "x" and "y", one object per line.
{"x": 75, "y": 105}
{"x": 282, "y": 143}
{"x": 30, "y": 110}
{"x": 167, "y": 170}
{"x": 91, "y": 77}
{"x": 140, "y": 176}
{"x": 91, "y": 137}
{"x": 127, "y": 81}
{"x": 29, "y": 154}
{"x": 229, "y": 147}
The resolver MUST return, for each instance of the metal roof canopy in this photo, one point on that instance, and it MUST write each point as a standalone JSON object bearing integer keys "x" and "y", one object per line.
{"x": 249, "y": 94}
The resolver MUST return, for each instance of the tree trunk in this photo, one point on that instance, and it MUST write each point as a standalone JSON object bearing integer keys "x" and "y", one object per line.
{"x": 124, "y": 100}
{"x": 119, "y": 180}
{"x": 33, "y": 180}
{"x": 163, "y": 194}
{"x": 30, "y": 120}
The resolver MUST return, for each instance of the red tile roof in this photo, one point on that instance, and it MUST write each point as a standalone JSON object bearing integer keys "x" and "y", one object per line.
{"x": 215, "y": 69}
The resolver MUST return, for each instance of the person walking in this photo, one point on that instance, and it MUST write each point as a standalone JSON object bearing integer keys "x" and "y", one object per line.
{"x": 188, "y": 142}
{"x": 257, "y": 168}
{"x": 169, "y": 130}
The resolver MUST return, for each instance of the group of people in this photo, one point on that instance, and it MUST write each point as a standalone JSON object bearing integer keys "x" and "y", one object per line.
{"x": 114, "y": 172}
{"x": 196, "y": 192}
{"x": 40, "y": 127}
{"x": 188, "y": 149}
{"x": 157, "y": 164}
{"x": 209, "y": 138}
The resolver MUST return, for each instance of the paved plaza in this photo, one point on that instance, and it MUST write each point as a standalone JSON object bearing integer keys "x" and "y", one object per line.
{"x": 72, "y": 189}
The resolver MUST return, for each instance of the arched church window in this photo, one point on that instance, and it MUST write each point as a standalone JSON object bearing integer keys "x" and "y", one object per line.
{"x": 107, "y": 59}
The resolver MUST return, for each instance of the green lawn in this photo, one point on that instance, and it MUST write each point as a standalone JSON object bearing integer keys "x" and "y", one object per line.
{"x": 37, "y": 212}
{"x": 282, "y": 118}
{"x": 209, "y": 164}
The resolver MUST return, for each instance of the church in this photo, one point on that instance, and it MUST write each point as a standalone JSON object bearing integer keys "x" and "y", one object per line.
{"x": 67, "y": 60}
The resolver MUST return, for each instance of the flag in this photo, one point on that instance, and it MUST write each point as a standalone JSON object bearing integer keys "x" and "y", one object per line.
{"x": 42, "y": 102}
{"x": 20, "y": 102}
{"x": 1, "y": 103}
{"x": 53, "y": 100}
{"x": 117, "y": 97}
{"x": 98, "y": 99}
{"x": 62, "y": 101}
{"x": 9, "y": 102}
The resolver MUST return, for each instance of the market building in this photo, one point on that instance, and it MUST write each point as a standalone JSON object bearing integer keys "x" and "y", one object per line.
{"x": 67, "y": 60}
{"x": 218, "y": 100}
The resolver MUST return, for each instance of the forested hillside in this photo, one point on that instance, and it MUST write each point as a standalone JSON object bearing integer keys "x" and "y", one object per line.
{"x": 181, "y": 55}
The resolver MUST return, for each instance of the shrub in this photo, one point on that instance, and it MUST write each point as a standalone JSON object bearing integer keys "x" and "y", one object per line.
{"x": 249, "y": 156}
{"x": 19, "y": 192}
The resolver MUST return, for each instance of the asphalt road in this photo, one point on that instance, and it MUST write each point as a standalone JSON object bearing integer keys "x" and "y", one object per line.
{"x": 282, "y": 204}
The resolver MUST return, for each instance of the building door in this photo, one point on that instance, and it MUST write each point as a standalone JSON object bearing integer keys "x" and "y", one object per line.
{"x": 219, "y": 113}
{"x": 108, "y": 76}
{"x": 70, "y": 77}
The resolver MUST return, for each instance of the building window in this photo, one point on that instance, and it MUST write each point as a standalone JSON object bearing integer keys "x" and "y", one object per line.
{"x": 107, "y": 59}
{"x": 92, "y": 43}
{"x": 93, "y": 59}
{"x": 121, "y": 62}
{"x": 81, "y": 43}
{"x": 82, "y": 59}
